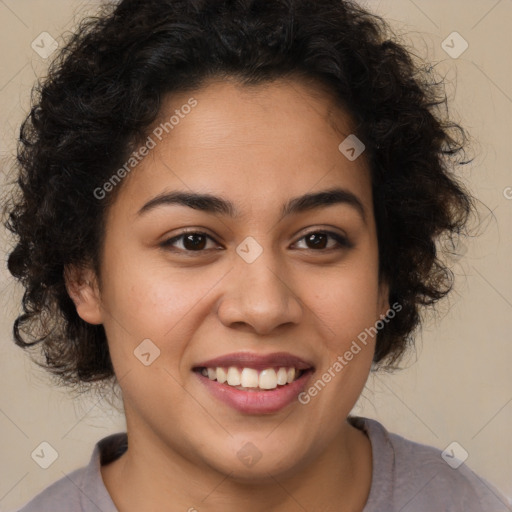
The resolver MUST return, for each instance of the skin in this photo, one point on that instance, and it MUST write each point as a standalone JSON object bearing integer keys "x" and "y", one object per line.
{"x": 257, "y": 147}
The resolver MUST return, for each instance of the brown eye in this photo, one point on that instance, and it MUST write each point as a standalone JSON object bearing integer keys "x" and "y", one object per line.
{"x": 192, "y": 241}
{"x": 198, "y": 241}
{"x": 318, "y": 240}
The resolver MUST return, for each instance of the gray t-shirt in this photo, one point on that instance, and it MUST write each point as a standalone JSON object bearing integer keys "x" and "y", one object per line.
{"x": 406, "y": 477}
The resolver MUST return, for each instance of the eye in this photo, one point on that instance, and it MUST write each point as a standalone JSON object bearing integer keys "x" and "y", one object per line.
{"x": 192, "y": 241}
{"x": 197, "y": 241}
{"x": 318, "y": 240}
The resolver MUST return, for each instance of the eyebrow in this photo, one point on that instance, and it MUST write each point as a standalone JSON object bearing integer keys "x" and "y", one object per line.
{"x": 214, "y": 204}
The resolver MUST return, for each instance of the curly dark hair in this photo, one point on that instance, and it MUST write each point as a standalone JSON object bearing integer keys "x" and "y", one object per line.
{"x": 106, "y": 87}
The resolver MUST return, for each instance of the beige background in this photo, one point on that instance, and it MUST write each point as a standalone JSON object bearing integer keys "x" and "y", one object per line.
{"x": 460, "y": 387}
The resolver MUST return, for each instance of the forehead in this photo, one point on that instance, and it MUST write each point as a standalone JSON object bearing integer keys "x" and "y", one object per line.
{"x": 231, "y": 113}
{"x": 263, "y": 142}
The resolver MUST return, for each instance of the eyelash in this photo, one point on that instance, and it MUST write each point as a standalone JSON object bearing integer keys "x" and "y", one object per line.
{"x": 343, "y": 243}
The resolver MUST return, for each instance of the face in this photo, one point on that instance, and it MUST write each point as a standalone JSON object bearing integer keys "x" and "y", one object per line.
{"x": 255, "y": 279}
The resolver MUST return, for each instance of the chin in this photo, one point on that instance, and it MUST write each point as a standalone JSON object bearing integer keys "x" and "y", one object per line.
{"x": 249, "y": 465}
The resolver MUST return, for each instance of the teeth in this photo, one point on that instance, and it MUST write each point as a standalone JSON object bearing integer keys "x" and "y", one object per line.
{"x": 282, "y": 376}
{"x": 233, "y": 376}
{"x": 221, "y": 375}
{"x": 268, "y": 378}
{"x": 249, "y": 378}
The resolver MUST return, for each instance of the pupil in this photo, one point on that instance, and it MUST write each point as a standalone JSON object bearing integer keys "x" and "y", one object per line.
{"x": 317, "y": 244}
{"x": 192, "y": 245}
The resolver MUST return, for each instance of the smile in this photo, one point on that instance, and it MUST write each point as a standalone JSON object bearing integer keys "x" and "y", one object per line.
{"x": 255, "y": 383}
{"x": 250, "y": 379}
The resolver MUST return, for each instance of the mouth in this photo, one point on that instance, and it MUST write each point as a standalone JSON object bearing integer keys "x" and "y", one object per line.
{"x": 255, "y": 384}
{"x": 251, "y": 379}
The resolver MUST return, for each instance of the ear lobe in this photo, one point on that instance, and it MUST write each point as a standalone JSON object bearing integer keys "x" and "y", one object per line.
{"x": 384, "y": 297}
{"x": 82, "y": 287}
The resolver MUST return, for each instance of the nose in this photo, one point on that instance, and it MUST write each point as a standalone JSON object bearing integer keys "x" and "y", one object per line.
{"x": 258, "y": 297}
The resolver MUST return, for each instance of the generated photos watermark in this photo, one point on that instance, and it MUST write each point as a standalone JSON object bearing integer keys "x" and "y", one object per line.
{"x": 343, "y": 360}
{"x": 152, "y": 141}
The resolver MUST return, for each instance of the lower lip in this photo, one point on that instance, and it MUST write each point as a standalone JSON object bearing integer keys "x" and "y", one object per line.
{"x": 256, "y": 402}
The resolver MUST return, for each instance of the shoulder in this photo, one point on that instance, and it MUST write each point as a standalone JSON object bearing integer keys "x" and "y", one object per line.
{"x": 64, "y": 494}
{"x": 83, "y": 489}
{"x": 449, "y": 482}
{"x": 415, "y": 477}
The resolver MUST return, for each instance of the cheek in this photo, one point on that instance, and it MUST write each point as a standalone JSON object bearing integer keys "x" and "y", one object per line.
{"x": 346, "y": 303}
{"x": 156, "y": 303}
{"x": 146, "y": 295}
{"x": 350, "y": 308}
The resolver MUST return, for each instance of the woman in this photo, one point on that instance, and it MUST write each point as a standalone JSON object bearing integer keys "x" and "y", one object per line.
{"x": 230, "y": 209}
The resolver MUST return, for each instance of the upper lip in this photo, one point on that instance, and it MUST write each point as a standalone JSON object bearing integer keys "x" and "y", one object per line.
{"x": 257, "y": 361}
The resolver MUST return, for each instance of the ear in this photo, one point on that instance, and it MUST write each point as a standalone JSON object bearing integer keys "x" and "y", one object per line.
{"x": 82, "y": 287}
{"x": 383, "y": 301}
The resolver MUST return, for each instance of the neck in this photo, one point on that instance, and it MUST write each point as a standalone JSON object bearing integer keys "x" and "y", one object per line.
{"x": 148, "y": 477}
